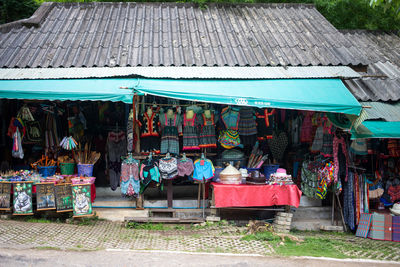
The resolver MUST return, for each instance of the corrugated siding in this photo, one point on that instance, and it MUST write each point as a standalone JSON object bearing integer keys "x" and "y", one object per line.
{"x": 385, "y": 111}
{"x": 166, "y": 34}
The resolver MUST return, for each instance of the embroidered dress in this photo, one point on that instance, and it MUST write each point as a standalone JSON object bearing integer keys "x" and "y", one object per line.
{"x": 207, "y": 132}
{"x": 348, "y": 201}
{"x": 168, "y": 168}
{"x": 229, "y": 138}
{"x": 149, "y": 137}
{"x": 130, "y": 183}
{"x": 170, "y": 139}
{"x": 247, "y": 126}
{"x": 265, "y": 122}
{"x": 318, "y": 140}
{"x": 306, "y": 129}
{"x": 327, "y": 141}
{"x": 191, "y": 133}
{"x": 185, "y": 167}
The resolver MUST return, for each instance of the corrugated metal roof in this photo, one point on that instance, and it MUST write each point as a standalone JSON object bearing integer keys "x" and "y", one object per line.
{"x": 382, "y": 111}
{"x": 383, "y": 51}
{"x": 182, "y": 72}
{"x": 175, "y": 34}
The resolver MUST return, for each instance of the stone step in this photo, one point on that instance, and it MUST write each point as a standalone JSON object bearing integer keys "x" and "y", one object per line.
{"x": 311, "y": 224}
{"x": 312, "y": 213}
{"x": 310, "y": 202}
{"x": 118, "y": 215}
{"x": 162, "y": 220}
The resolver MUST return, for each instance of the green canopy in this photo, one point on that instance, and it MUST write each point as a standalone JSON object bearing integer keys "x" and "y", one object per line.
{"x": 329, "y": 95}
{"x": 68, "y": 89}
{"x": 378, "y": 129}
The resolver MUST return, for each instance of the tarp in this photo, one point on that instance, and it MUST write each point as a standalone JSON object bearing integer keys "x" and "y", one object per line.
{"x": 68, "y": 89}
{"x": 326, "y": 95}
{"x": 378, "y": 129}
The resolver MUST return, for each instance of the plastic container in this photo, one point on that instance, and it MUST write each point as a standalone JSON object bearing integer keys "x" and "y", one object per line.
{"x": 85, "y": 170}
{"x": 67, "y": 168}
{"x": 47, "y": 171}
{"x": 270, "y": 169}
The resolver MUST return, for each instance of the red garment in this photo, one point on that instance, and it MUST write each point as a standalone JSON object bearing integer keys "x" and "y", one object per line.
{"x": 394, "y": 192}
{"x": 336, "y": 143}
{"x": 306, "y": 129}
{"x": 227, "y": 195}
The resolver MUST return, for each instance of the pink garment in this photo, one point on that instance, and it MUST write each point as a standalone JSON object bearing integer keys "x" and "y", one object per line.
{"x": 185, "y": 167}
{"x": 306, "y": 129}
{"x": 336, "y": 142}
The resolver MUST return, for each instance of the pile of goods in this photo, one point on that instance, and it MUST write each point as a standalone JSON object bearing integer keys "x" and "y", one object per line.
{"x": 280, "y": 178}
{"x": 230, "y": 175}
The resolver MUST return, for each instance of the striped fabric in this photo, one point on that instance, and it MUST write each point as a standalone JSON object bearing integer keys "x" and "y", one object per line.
{"x": 377, "y": 230}
{"x": 388, "y": 227}
{"x": 396, "y": 228}
{"x": 363, "y": 225}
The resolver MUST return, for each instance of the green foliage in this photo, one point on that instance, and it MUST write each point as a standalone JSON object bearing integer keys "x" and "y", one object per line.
{"x": 148, "y": 226}
{"x": 393, "y": 5}
{"x": 11, "y": 10}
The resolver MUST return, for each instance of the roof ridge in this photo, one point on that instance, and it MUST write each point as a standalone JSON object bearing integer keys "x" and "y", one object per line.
{"x": 33, "y": 21}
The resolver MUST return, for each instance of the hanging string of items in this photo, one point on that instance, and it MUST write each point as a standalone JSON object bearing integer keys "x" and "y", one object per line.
{"x": 68, "y": 143}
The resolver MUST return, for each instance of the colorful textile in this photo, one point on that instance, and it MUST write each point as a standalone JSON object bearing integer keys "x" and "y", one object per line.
{"x": 191, "y": 132}
{"x": 149, "y": 129}
{"x": 168, "y": 168}
{"x": 327, "y": 139}
{"x": 207, "y": 132}
{"x": 229, "y": 139}
{"x": 203, "y": 169}
{"x": 396, "y": 228}
{"x": 388, "y": 227}
{"x": 229, "y": 195}
{"x": 377, "y": 230}
{"x": 322, "y": 188}
{"x": 149, "y": 172}
{"x": 169, "y": 128}
{"x": 394, "y": 192}
{"x": 364, "y": 225}
{"x": 116, "y": 147}
{"x": 130, "y": 183}
{"x": 309, "y": 181}
{"x": 185, "y": 167}
{"x": 230, "y": 118}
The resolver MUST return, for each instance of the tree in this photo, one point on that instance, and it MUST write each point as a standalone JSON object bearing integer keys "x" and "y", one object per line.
{"x": 387, "y": 4}
{"x": 11, "y": 10}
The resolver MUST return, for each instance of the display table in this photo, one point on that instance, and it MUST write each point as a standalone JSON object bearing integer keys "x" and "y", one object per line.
{"x": 227, "y": 195}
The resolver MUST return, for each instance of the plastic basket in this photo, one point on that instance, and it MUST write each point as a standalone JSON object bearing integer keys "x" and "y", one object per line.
{"x": 85, "y": 170}
{"x": 67, "y": 168}
{"x": 270, "y": 169}
{"x": 47, "y": 171}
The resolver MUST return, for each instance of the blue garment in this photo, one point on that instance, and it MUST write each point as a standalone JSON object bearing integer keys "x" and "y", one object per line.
{"x": 204, "y": 170}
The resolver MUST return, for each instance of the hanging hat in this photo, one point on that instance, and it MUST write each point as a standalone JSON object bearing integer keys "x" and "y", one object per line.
{"x": 396, "y": 209}
{"x": 359, "y": 147}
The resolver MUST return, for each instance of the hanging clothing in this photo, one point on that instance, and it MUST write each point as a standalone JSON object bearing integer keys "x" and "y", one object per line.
{"x": 207, "y": 132}
{"x": 130, "y": 182}
{"x": 230, "y": 118}
{"x": 306, "y": 128}
{"x": 247, "y": 126}
{"x": 169, "y": 129}
{"x": 295, "y": 130}
{"x": 327, "y": 140}
{"x": 149, "y": 172}
{"x": 185, "y": 167}
{"x": 318, "y": 140}
{"x": 203, "y": 169}
{"x": 277, "y": 145}
{"x": 191, "y": 132}
{"x": 309, "y": 180}
{"x": 265, "y": 124}
{"x": 149, "y": 129}
{"x": 168, "y": 168}
{"x": 116, "y": 148}
{"x": 340, "y": 158}
{"x": 348, "y": 201}
{"x": 229, "y": 139}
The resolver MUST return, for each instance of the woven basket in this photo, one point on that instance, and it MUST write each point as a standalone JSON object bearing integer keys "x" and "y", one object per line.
{"x": 67, "y": 168}
{"x": 230, "y": 178}
{"x": 47, "y": 171}
{"x": 85, "y": 170}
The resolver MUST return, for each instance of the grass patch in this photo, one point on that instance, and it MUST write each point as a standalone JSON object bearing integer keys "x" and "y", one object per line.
{"x": 207, "y": 224}
{"x": 179, "y": 227}
{"x": 148, "y": 226}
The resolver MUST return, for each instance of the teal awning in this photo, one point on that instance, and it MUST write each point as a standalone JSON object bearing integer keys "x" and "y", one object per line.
{"x": 378, "y": 129}
{"x": 329, "y": 95}
{"x": 68, "y": 89}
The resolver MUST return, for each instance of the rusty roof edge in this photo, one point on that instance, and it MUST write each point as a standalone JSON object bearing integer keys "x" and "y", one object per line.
{"x": 34, "y": 21}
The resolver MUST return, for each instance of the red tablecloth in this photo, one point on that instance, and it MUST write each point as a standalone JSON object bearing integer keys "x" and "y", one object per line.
{"x": 226, "y": 195}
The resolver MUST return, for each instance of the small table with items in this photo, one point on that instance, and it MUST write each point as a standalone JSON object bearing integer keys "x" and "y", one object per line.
{"x": 243, "y": 195}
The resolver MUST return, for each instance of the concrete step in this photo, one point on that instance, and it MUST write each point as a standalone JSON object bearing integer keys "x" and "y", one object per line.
{"x": 119, "y": 202}
{"x": 162, "y": 220}
{"x": 309, "y": 202}
{"x": 312, "y": 213}
{"x": 311, "y": 224}
{"x": 118, "y": 215}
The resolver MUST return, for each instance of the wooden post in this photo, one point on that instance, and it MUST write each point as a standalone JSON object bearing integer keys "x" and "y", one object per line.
{"x": 169, "y": 194}
{"x": 333, "y": 207}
